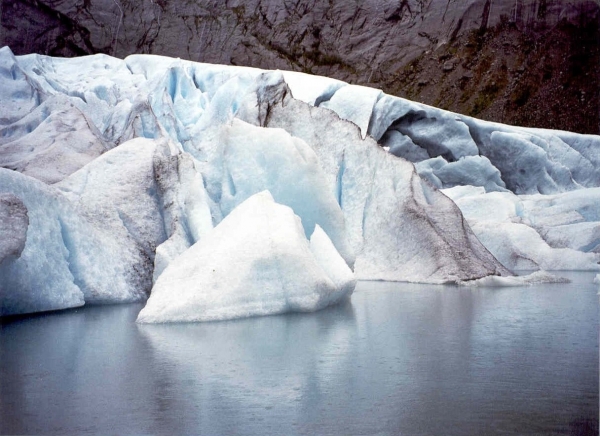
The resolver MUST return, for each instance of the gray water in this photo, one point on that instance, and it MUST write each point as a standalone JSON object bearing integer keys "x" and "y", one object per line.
{"x": 397, "y": 359}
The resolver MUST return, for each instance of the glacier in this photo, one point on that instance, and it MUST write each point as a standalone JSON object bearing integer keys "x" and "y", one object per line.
{"x": 113, "y": 171}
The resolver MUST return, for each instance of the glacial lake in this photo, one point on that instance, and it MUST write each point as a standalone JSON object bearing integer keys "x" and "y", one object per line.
{"x": 399, "y": 359}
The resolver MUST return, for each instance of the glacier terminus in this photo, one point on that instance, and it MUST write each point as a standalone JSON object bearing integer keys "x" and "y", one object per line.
{"x": 218, "y": 192}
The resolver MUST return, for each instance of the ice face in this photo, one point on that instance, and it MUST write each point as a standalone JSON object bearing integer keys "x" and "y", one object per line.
{"x": 207, "y": 111}
{"x": 401, "y": 145}
{"x": 186, "y": 208}
{"x": 385, "y": 204}
{"x": 310, "y": 89}
{"x": 38, "y": 278}
{"x": 552, "y": 232}
{"x": 51, "y": 142}
{"x": 355, "y": 104}
{"x": 254, "y": 159}
{"x": 67, "y": 257}
{"x": 91, "y": 237}
{"x": 257, "y": 261}
{"x": 148, "y": 195}
{"x": 470, "y": 170}
{"x": 118, "y": 192}
{"x": 17, "y": 94}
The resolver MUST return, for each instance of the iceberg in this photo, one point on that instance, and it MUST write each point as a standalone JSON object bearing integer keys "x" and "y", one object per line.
{"x": 257, "y": 261}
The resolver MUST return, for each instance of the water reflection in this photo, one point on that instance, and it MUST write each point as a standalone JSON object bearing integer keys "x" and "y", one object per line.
{"x": 398, "y": 359}
{"x": 69, "y": 368}
{"x": 488, "y": 361}
{"x": 253, "y": 367}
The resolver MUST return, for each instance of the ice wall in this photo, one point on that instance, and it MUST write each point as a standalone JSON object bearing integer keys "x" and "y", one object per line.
{"x": 112, "y": 170}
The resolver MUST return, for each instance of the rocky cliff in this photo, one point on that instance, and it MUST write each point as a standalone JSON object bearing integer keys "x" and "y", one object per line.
{"x": 528, "y": 62}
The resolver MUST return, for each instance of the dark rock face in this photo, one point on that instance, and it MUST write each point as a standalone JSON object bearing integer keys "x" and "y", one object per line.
{"x": 14, "y": 222}
{"x": 547, "y": 80}
{"x": 370, "y": 42}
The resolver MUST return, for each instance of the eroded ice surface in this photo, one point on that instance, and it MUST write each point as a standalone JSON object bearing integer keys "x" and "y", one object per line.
{"x": 529, "y": 161}
{"x": 66, "y": 258}
{"x": 257, "y": 261}
{"x": 551, "y": 232}
{"x": 535, "y": 278}
{"x": 90, "y": 238}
